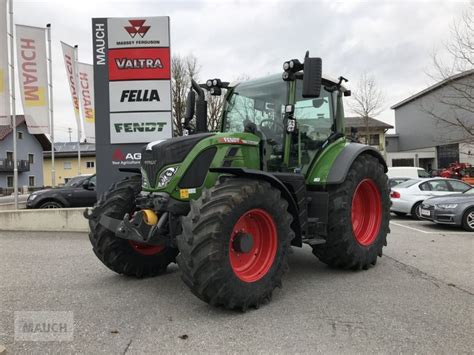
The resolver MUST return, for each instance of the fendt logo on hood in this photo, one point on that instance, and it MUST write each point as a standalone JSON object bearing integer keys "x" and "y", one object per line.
{"x": 137, "y": 28}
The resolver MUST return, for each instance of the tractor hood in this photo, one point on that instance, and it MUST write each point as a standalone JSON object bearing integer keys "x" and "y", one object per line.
{"x": 157, "y": 155}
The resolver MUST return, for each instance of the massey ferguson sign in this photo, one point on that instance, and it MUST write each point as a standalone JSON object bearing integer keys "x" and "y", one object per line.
{"x": 132, "y": 79}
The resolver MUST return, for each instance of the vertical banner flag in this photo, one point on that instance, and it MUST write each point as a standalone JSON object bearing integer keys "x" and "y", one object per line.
{"x": 86, "y": 94}
{"x": 4, "y": 69}
{"x": 33, "y": 73}
{"x": 71, "y": 72}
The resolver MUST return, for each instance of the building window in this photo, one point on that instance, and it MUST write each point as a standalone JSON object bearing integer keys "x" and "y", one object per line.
{"x": 90, "y": 164}
{"x": 31, "y": 158}
{"x": 374, "y": 139}
{"x": 403, "y": 162}
{"x": 19, "y": 135}
{"x": 67, "y": 165}
{"x": 9, "y": 181}
{"x": 9, "y": 155}
{"x": 31, "y": 181}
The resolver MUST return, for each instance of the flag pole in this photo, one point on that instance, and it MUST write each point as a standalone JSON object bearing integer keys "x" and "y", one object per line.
{"x": 79, "y": 127}
{"x": 51, "y": 111}
{"x": 13, "y": 112}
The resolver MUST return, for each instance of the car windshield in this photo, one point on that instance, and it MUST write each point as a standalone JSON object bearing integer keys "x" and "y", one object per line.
{"x": 76, "y": 181}
{"x": 469, "y": 192}
{"x": 408, "y": 183}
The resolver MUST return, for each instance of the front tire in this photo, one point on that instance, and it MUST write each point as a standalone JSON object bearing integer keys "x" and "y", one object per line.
{"x": 235, "y": 243}
{"x": 51, "y": 204}
{"x": 120, "y": 255}
{"x": 359, "y": 215}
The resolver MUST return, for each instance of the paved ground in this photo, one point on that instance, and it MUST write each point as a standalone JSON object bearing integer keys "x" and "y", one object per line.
{"x": 11, "y": 198}
{"x": 418, "y": 299}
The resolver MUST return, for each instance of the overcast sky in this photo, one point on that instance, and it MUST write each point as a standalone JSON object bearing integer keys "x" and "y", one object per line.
{"x": 392, "y": 40}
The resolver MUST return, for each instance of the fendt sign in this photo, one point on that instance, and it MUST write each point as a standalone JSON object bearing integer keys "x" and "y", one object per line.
{"x": 132, "y": 73}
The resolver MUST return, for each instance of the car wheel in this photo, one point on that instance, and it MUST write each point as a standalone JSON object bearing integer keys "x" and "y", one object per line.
{"x": 468, "y": 220}
{"x": 51, "y": 204}
{"x": 416, "y": 211}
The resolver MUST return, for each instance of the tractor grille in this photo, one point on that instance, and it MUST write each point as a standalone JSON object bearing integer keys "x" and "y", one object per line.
{"x": 171, "y": 151}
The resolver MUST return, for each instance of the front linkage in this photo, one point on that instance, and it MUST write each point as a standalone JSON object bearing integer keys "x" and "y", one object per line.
{"x": 155, "y": 220}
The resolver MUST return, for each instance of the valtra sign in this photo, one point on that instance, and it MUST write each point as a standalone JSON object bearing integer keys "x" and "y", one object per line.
{"x": 132, "y": 81}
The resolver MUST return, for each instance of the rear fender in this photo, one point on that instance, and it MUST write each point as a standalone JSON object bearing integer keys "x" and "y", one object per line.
{"x": 342, "y": 163}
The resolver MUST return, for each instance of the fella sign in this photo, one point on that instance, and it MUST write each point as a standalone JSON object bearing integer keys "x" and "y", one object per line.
{"x": 132, "y": 80}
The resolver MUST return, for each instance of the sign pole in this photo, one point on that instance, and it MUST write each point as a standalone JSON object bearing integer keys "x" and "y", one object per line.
{"x": 78, "y": 128}
{"x": 13, "y": 113}
{"x": 51, "y": 110}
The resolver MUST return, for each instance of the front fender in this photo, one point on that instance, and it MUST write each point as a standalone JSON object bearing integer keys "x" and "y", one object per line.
{"x": 262, "y": 175}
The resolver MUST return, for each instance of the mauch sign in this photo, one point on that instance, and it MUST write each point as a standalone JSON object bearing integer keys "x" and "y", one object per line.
{"x": 132, "y": 82}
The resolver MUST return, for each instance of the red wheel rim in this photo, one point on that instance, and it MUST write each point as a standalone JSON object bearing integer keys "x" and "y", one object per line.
{"x": 146, "y": 249}
{"x": 366, "y": 212}
{"x": 251, "y": 266}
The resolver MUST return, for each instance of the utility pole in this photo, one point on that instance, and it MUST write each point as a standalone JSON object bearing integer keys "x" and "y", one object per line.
{"x": 78, "y": 128}
{"x": 13, "y": 112}
{"x": 51, "y": 110}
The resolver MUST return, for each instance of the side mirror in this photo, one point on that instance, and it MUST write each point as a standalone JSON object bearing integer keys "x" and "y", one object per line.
{"x": 312, "y": 79}
{"x": 190, "y": 104}
{"x": 88, "y": 185}
{"x": 201, "y": 107}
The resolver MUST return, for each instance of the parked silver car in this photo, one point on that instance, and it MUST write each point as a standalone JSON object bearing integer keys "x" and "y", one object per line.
{"x": 455, "y": 209}
{"x": 407, "y": 197}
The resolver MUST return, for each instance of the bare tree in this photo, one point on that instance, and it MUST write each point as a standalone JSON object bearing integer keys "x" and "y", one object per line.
{"x": 367, "y": 101}
{"x": 182, "y": 69}
{"x": 215, "y": 106}
{"x": 453, "y": 107}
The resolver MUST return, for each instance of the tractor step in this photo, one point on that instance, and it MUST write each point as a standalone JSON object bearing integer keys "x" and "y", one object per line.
{"x": 314, "y": 241}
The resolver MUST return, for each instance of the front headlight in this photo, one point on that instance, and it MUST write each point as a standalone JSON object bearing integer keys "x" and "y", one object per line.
{"x": 32, "y": 197}
{"x": 145, "y": 183}
{"x": 166, "y": 176}
{"x": 447, "y": 206}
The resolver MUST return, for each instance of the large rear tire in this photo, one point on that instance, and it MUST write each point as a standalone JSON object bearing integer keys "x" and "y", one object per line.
{"x": 359, "y": 215}
{"x": 120, "y": 255}
{"x": 235, "y": 243}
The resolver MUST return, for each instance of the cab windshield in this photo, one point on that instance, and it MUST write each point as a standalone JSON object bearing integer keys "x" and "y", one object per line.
{"x": 259, "y": 105}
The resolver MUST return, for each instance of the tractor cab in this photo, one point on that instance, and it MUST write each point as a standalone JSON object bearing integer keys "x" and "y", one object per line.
{"x": 292, "y": 128}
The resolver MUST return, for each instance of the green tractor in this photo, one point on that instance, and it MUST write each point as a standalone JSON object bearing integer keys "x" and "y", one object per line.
{"x": 228, "y": 206}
